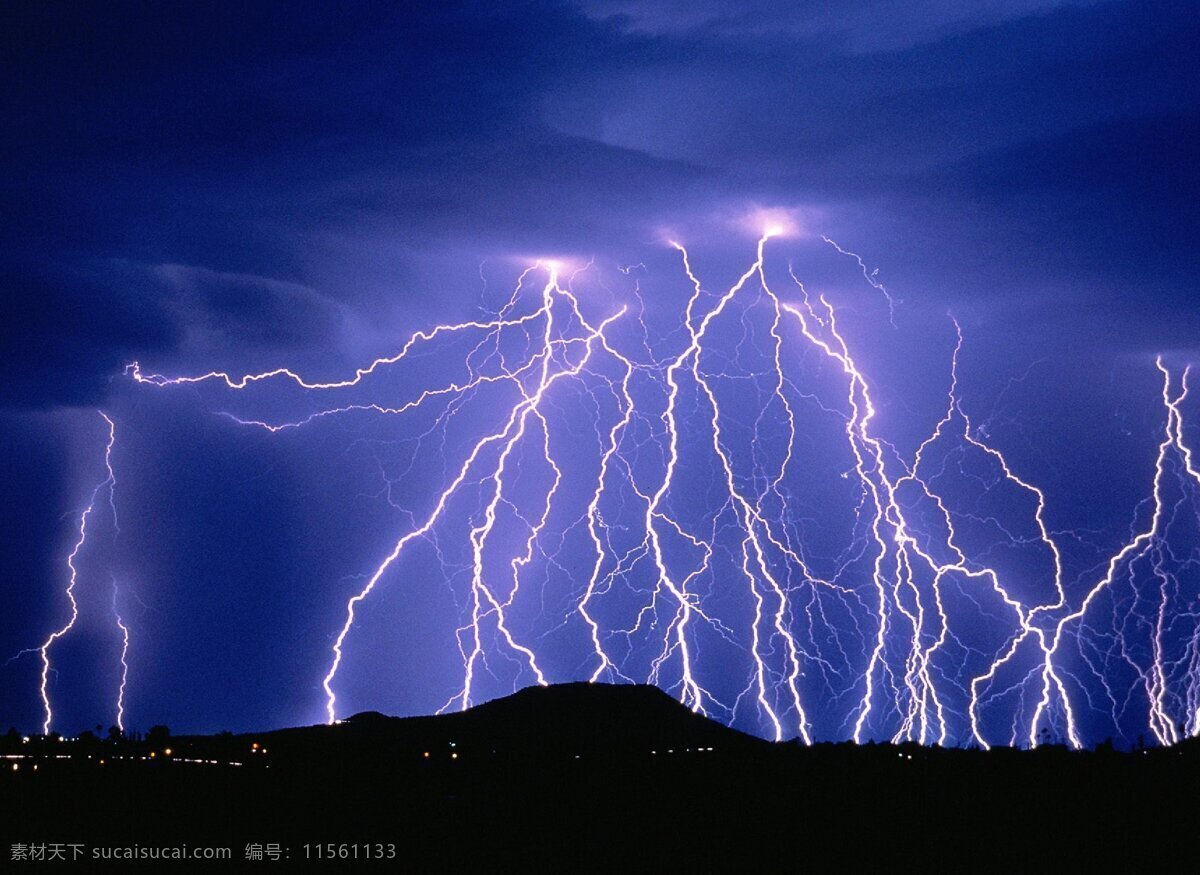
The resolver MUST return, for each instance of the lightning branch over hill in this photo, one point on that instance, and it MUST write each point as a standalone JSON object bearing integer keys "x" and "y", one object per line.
{"x": 718, "y": 510}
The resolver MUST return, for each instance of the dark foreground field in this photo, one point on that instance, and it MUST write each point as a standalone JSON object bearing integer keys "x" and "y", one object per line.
{"x": 585, "y": 777}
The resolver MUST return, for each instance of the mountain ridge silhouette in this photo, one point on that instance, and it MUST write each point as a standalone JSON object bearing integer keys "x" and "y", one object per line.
{"x": 559, "y": 720}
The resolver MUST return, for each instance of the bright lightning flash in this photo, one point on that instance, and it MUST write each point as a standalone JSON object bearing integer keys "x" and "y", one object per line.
{"x": 676, "y": 466}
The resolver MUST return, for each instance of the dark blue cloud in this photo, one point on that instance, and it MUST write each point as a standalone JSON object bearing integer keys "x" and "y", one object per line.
{"x": 332, "y": 151}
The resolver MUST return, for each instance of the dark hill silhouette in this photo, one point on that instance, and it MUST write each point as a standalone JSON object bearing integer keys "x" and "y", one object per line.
{"x": 564, "y": 721}
{"x": 581, "y": 777}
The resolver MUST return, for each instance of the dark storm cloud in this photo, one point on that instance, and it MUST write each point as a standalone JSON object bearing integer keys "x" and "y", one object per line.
{"x": 63, "y": 337}
{"x": 855, "y": 26}
{"x": 272, "y": 142}
{"x": 1031, "y": 163}
{"x": 331, "y": 150}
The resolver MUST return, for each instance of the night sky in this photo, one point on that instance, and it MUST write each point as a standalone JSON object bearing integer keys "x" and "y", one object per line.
{"x": 242, "y": 187}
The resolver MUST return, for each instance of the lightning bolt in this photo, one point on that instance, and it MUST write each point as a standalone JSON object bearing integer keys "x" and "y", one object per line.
{"x": 1167, "y": 722}
{"x": 124, "y": 657}
{"x": 108, "y": 484}
{"x": 680, "y": 495}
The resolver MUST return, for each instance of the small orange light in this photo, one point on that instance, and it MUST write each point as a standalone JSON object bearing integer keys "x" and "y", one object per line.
{"x": 454, "y": 756}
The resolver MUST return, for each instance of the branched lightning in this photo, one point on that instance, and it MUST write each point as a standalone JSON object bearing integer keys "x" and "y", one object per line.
{"x": 108, "y": 485}
{"x": 647, "y": 503}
